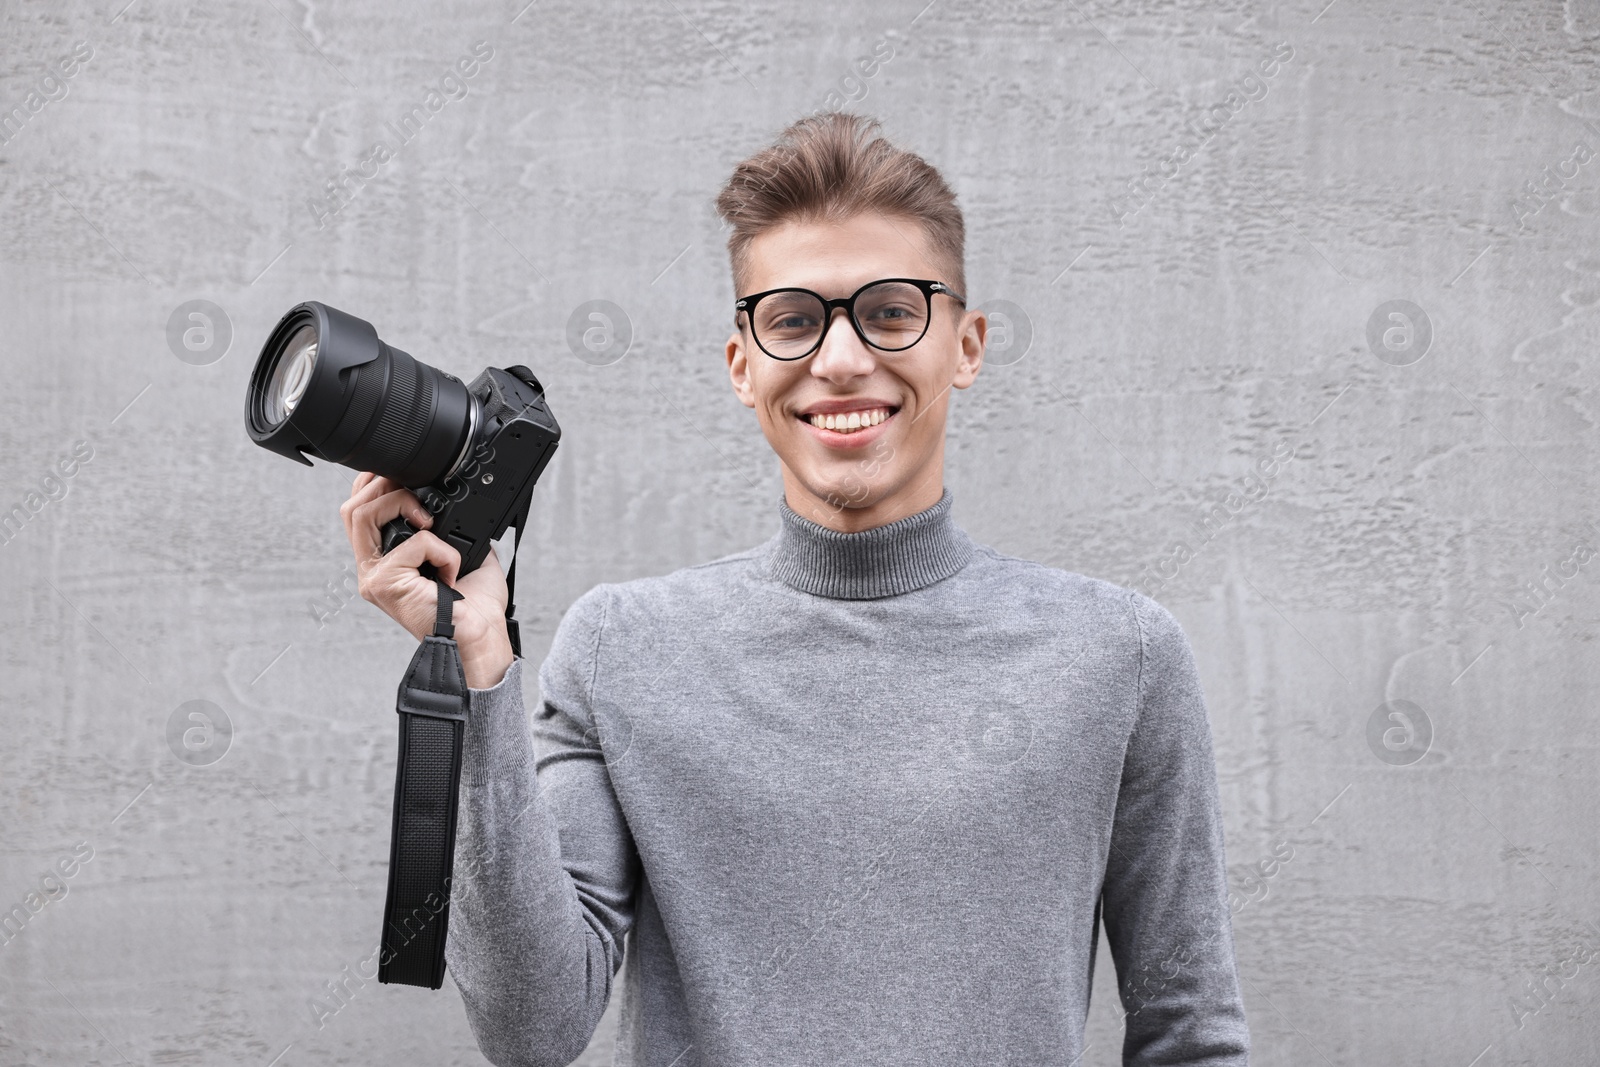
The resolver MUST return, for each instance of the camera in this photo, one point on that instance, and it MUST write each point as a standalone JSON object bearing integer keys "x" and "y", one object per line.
{"x": 325, "y": 385}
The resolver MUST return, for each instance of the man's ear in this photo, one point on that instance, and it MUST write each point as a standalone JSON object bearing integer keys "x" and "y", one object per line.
{"x": 974, "y": 330}
{"x": 739, "y": 370}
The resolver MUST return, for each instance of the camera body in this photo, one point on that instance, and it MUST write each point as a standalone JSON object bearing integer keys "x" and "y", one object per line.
{"x": 488, "y": 492}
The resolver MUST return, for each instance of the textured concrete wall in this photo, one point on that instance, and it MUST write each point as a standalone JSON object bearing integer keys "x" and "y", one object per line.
{"x": 1393, "y": 604}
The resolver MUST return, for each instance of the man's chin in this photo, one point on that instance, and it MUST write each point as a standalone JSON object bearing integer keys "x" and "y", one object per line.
{"x": 834, "y": 495}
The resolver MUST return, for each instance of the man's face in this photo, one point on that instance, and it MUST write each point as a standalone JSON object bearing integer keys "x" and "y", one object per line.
{"x": 855, "y": 480}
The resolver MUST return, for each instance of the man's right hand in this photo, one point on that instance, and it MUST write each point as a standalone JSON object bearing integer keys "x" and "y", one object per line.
{"x": 392, "y": 582}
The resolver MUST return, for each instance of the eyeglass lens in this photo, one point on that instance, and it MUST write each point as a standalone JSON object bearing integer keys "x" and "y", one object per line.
{"x": 892, "y": 315}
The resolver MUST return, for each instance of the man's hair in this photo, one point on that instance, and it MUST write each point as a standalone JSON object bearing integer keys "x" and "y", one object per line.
{"x": 831, "y": 167}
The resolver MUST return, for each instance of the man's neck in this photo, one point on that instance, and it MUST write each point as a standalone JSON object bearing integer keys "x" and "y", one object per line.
{"x": 896, "y": 558}
{"x": 837, "y": 513}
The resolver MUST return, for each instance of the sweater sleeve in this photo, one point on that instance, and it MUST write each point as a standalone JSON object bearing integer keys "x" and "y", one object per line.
{"x": 545, "y": 866}
{"x": 1167, "y": 916}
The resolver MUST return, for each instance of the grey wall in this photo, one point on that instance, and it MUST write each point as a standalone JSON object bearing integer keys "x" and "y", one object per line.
{"x": 1429, "y": 890}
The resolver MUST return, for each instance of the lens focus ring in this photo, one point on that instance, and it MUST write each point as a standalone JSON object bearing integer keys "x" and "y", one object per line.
{"x": 399, "y": 411}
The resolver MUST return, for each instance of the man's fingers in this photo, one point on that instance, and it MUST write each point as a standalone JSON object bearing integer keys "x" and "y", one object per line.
{"x": 366, "y": 519}
{"x": 425, "y": 547}
{"x": 375, "y": 488}
{"x": 367, "y": 487}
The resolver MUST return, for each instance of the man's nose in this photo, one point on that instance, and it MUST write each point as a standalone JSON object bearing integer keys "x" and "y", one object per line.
{"x": 843, "y": 354}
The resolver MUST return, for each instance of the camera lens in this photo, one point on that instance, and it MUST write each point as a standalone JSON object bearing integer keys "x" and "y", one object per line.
{"x": 292, "y": 375}
{"x": 325, "y": 385}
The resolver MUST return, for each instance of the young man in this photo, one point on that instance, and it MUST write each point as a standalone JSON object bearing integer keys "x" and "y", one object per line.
{"x": 859, "y": 795}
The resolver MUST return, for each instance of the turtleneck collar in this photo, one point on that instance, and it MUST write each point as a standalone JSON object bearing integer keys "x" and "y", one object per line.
{"x": 888, "y": 560}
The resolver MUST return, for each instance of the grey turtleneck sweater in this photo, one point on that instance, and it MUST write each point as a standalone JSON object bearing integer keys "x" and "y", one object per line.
{"x": 847, "y": 799}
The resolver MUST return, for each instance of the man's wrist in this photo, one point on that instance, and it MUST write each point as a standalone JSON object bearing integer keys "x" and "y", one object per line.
{"x": 486, "y": 657}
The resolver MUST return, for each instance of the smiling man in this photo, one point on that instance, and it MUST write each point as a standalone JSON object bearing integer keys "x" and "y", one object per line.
{"x": 862, "y": 794}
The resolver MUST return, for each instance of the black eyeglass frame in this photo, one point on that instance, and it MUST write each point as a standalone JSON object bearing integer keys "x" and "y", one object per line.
{"x": 747, "y": 304}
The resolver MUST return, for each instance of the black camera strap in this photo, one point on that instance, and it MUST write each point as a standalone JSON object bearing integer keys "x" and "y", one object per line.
{"x": 432, "y": 704}
{"x": 512, "y": 631}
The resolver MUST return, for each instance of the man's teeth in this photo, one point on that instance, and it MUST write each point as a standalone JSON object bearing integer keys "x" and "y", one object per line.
{"x": 854, "y": 420}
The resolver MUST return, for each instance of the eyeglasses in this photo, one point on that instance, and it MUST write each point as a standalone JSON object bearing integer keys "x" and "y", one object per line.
{"x": 891, "y": 315}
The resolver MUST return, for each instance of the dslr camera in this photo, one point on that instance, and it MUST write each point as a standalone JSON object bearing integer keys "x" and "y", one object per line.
{"x": 325, "y": 385}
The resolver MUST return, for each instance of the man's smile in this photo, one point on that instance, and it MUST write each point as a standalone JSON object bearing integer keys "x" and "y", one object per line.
{"x": 848, "y": 423}
{"x": 847, "y": 413}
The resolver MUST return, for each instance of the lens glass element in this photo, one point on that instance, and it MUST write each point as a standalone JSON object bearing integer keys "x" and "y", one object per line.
{"x": 291, "y": 376}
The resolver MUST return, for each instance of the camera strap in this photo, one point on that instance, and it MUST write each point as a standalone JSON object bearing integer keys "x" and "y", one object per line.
{"x": 512, "y": 631}
{"x": 432, "y": 704}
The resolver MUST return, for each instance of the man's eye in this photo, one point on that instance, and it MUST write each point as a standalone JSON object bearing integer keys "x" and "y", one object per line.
{"x": 792, "y": 322}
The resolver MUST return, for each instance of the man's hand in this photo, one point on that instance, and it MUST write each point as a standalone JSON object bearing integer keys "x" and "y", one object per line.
{"x": 393, "y": 583}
